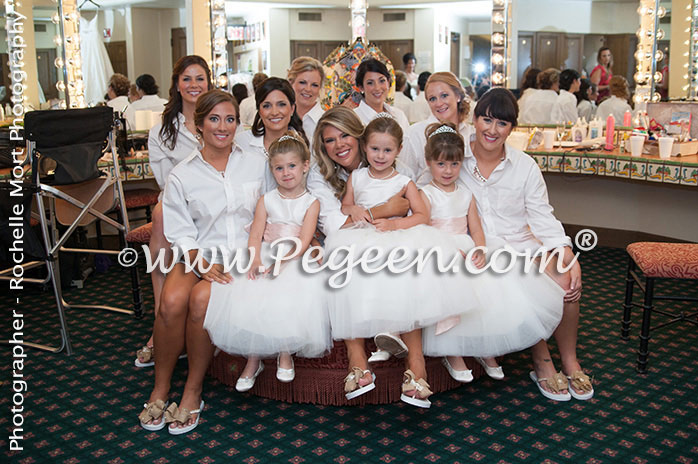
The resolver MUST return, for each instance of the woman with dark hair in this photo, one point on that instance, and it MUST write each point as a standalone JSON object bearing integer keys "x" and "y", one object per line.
{"x": 539, "y": 106}
{"x": 403, "y": 99}
{"x": 448, "y": 103}
{"x": 169, "y": 142}
{"x": 586, "y": 107}
{"x": 239, "y": 92}
{"x": 149, "y": 101}
{"x": 513, "y": 202}
{"x": 209, "y": 198}
{"x": 528, "y": 87}
{"x": 601, "y": 74}
{"x": 338, "y": 152}
{"x": 409, "y": 62}
{"x": 276, "y": 114}
{"x": 374, "y": 80}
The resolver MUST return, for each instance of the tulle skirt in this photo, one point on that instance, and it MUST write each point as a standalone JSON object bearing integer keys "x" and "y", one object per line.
{"x": 516, "y": 310}
{"x": 388, "y": 300}
{"x": 269, "y": 315}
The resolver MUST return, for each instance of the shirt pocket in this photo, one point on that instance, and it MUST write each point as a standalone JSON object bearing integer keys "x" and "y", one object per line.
{"x": 510, "y": 203}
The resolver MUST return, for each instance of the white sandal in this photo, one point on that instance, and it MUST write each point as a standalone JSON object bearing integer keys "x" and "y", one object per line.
{"x": 352, "y": 388}
{"x": 419, "y": 386}
{"x": 175, "y": 414}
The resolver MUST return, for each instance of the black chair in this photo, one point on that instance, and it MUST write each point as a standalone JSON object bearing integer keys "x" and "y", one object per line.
{"x": 64, "y": 147}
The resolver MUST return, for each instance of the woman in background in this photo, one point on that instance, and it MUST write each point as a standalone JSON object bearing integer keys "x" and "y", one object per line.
{"x": 307, "y": 77}
{"x": 601, "y": 74}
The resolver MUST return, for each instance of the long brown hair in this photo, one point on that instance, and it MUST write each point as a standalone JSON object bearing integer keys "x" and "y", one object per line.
{"x": 206, "y": 102}
{"x": 345, "y": 120}
{"x": 170, "y": 129}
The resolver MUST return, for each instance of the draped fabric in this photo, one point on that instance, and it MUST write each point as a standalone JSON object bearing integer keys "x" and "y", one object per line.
{"x": 96, "y": 66}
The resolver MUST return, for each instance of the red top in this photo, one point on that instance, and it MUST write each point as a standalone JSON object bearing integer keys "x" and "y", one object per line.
{"x": 605, "y": 80}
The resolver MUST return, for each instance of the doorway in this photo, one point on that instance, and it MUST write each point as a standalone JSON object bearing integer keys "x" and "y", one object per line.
{"x": 179, "y": 43}
{"x": 455, "y": 53}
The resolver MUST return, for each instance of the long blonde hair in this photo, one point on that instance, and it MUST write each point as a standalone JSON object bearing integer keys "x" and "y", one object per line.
{"x": 450, "y": 79}
{"x": 347, "y": 121}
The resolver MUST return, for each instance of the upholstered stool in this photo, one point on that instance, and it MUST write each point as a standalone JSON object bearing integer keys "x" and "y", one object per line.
{"x": 657, "y": 261}
{"x": 321, "y": 381}
{"x": 138, "y": 236}
{"x": 141, "y": 199}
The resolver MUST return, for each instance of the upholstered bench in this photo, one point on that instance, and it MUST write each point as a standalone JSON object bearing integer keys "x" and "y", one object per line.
{"x": 657, "y": 261}
{"x": 321, "y": 381}
{"x": 138, "y": 236}
{"x": 141, "y": 199}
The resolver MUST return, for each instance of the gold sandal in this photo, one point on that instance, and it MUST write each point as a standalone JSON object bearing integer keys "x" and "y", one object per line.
{"x": 152, "y": 411}
{"x": 556, "y": 383}
{"x": 421, "y": 390}
{"x": 182, "y": 415}
{"x": 145, "y": 357}
{"x": 352, "y": 387}
{"x": 579, "y": 381}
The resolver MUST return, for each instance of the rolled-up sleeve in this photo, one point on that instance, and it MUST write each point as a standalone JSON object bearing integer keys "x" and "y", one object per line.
{"x": 178, "y": 224}
{"x": 331, "y": 218}
{"x": 541, "y": 220}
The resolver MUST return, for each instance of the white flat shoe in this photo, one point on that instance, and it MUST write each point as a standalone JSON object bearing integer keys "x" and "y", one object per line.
{"x": 497, "y": 373}
{"x": 379, "y": 356}
{"x": 246, "y": 383}
{"x": 465, "y": 376}
{"x": 392, "y": 344}
{"x": 285, "y": 375}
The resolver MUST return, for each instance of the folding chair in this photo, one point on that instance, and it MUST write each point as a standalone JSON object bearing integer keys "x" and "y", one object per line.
{"x": 76, "y": 192}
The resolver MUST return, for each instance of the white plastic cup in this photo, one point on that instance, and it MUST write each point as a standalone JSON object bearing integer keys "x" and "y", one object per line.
{"x": 665, "y": 145}
{"x": 636, "y": 143}
{"x": 548, "y": 139}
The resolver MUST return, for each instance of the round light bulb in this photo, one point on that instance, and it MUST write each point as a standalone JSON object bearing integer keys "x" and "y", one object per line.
{"x": 58, "y": 62}
{"x": 60, "y": 86}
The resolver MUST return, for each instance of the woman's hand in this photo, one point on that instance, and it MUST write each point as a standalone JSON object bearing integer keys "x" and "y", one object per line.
{"x": 255, "y": 268}
{"x": 216, "y": 274}
{"x": 357, "y": 213}
{"x": 575, "y": 291}
{"x": 479, "y": 259}
{"x": 398, "y": 205}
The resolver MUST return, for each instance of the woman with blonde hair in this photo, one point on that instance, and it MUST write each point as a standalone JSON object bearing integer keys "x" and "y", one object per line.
{"x": 337, "y": 152}
{"x": 617, "y": 103}
{"x": 448, "y": 103}
{"x": 307, "y": 76}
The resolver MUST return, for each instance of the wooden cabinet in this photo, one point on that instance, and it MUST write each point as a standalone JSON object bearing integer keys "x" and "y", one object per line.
{"x": 557, "y": 50}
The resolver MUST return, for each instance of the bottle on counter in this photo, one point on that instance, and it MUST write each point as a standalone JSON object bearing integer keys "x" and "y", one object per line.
{"x": 595, "y": 128}
{"x": 578, "y": 131}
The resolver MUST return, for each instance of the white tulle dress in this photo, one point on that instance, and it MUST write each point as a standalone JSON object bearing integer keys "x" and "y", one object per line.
{"x": 514, "y": 310}
{"x": 269, "y": 315}
{"x": 386, "y": 301}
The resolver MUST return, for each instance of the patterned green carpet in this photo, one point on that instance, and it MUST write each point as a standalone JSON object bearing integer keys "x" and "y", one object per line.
{"x": 83, "y": 408}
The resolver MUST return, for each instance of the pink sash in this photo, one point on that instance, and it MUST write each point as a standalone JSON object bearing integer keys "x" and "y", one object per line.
{"x": 457, "y": 225}
{"x": 279, "y": 230}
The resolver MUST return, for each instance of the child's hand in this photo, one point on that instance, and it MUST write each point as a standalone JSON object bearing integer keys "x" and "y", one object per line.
{"x": 479, "y": 259}
{"x": 384, "y": 225}
{"x": 357, "y": 213}
{"x": 216, "y": 274}
{"x": 255, "y": 268}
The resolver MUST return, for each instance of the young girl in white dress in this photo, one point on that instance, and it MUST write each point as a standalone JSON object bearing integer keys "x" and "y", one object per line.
{"x": 515, "y": 311}
{"x": 386, "y": 303}
{"x": 272, "y": 313}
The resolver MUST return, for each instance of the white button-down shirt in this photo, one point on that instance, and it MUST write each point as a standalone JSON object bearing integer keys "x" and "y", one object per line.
{"x": 615, "y": 106}
{"x": 250, "y": 143}
{"x": 412, "y": 153}
{"x": 203, "y": 208}
{"x": 539, "y": 106}
{"x": 513, "y": 203}
{"x": 146, "y": 103}
{"x": 366, "y": 114}
{"x": 420, "y": 110}
{"x": 310, "y": 120}
{"x": 402, "y": 102}
{"x": 523, "y": 102}
{"x": 586, "y": 109}
{"x": 248, "y": 110}
{"x": 565, "y": 108}
{"x": 162, "y": 159}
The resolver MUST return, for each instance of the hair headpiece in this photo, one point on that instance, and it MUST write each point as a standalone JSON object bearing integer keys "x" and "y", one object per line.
{"x": 443, "y": 130}
{"x": 288, "y": 137}
{"x": 384, "y": 114}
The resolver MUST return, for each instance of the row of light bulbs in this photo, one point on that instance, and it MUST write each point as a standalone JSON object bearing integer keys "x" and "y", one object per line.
{"x": 219, "y": 57}
{"x": 499, "y": 45}
{"x": 72, "y": 85}
{"x": 646, "y": 75}
{"x": 692, "y": 80}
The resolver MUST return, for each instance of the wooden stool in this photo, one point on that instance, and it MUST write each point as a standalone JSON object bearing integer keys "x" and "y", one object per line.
{"x": 138, "y": 236}
{"x": 657, "y": 260}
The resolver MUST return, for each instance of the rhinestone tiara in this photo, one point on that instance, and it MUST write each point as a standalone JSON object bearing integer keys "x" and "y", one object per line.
{"x": 443, "y": 130}
{"x": 384, "y": 114}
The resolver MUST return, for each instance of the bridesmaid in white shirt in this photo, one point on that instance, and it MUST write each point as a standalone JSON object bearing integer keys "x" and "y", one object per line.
{"x": 513, "y": 203}
{"x": 169, "y": 142}
{"x": 539, "y": 105}
{"x": 276, "y": 114}
{"x": 374, "y": 80}
{"x": 209, "y": 198}
{"x": 307, "y": 77}
{"x": 448, "y": 102}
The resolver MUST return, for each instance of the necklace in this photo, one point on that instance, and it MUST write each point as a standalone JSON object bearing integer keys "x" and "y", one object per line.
{"x": 444, "y": 191}
{"x": 392, "y": 170}
{"x": 292, "y": 198}
{"x": 478, "y": 175}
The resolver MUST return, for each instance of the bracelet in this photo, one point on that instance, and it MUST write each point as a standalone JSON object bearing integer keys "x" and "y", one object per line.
{"x": 370, "y": 214}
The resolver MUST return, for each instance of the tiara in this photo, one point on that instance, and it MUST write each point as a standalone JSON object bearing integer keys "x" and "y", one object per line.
{"x": 443, "y": 130}
{"x": 384, "y": 115}
{"x": 287, "y": 137}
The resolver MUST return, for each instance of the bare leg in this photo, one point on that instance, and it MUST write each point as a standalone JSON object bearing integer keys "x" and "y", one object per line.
{"x": 415, "y": 358}
{"x": 169, "y": 330}
{"x": 285, "y": 360}
{"x": 457, "y": 363}
{"x": 250, "y": 367}
{"x": 492, "y": 362}
{"x": 356, "y": 353}
{"x": 543, "y": 364}
{"x": 157, "y": 242}
{"x": 199, "y": 348}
